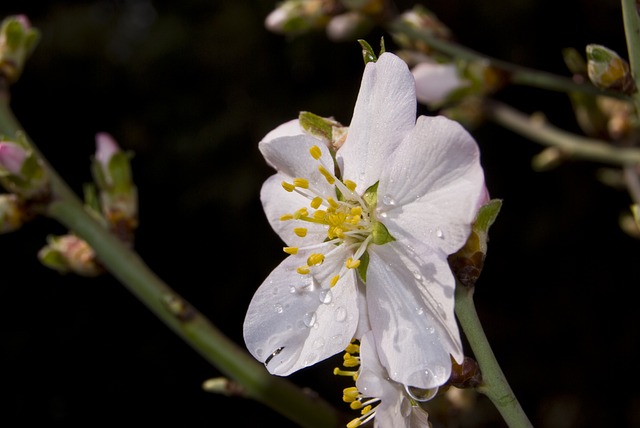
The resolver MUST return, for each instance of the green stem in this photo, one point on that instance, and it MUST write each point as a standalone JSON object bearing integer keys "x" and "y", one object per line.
{"x": 571, "y": 145}
{"x": 517, "y": 74}
{"x": 632, "y": 33}
{"x": 192, "y": 326}
{"x": 494, "y": 384}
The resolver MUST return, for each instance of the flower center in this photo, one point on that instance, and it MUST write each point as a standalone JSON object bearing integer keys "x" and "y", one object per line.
{"x": 349, "y": 218}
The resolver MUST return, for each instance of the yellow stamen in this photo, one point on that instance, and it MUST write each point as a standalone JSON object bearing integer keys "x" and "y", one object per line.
{"x": 366, "y": 409}
{"x": 316, "y": 202}
{"x": 303, "y": 270}
{"x": 288, "y": 186}
{"x": 302, "y": 212}
{"x": 332, "y": 203}
{"x": 350, "y": 185}
{"x": 301, "y": 182}
{"x": 353, "y": 348}
{"x": 352, "y": 264}
{"x": 334, "y": 280}
{"x": 290, "y": 250}
{"x": 286, "y": 217}
{"x": 351, "y": 362}
{"x": 356, "y": 405}
{"x": 354, "y": 423}
{"x": 315, "y": 152}
{"x": 302, "y": 232}
{"x": 351, "y": 392}
{"x": 315, "y": 259}
{"x": 327, "y": 175}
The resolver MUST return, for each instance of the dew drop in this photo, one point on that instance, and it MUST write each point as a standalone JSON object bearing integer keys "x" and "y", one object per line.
{"x": 309, "y": 319}
{"x": 318, "y": 343}
{"x": 278, "y": 308}
{"x": 439, "y": 233}
{"x": 310, "y": 359}
{"x": 420, "y": 310}
{"x": 336, "y": 338}
{"x": 417, "y": 275}
{"x": 292, "y": 289}
{"x": 420, "y": 394}
{"x": 430, "y": 330}
{"x": 341, "y": 314}
{"x": 388, "y": 200}
{"x": 325, "y": 296}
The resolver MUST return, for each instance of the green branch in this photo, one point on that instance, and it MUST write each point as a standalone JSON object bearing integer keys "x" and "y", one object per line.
{"x": 192, "y": 326}
{"x": 494, "y": 384}
{"x": 632, "y": 35}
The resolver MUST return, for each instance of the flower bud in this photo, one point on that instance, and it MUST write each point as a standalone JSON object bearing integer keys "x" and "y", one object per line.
{"x": 348, "y": 26}
{"x": 607, "y": 70}
{"x": 69, "y": 253}
{"x": 434, "y": 82}
{"x": 22, "y": 171}
{"x": 298, "y": 16}
{"x": 111, "y": 170}
{"x": 17, "y": 41}
{"x": 12, "y": 213}
{"x": 422, "y": 19}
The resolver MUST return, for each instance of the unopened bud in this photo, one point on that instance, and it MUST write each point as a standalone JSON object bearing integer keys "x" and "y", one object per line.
{"x": 434, "y": 82}
{"x": 423, "y": 20}
{"x": 69, "y": 253}
{"x": 12, "y": 158}
{"x": 348, "y": 26}
{"x": 17, "y": 41}
{"x": 465, "y": 375}
{"x": 297, "y": 17}
{"x": 12, "y": 213}
{"x": 22, "y": 171}
{"x": 607, "y": 70}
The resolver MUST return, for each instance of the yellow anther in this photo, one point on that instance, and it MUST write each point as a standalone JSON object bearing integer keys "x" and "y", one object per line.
{"x": 352, "y": 264}
{"x": 350, "y": 185}
{"x": 300, "y": 231}
{"x": 286, "y": 217}
{"x": 351, "y": 392}
{"x": 334, "y": 280}
{"x": 356, "y": 211}
{"x": 319, "y": 215}
{"x": 315, "y": 152}
{"x": 351, "y": 362}
{"x": 290, "y": 250}
{"x": 316, "y": 202}
{"x": 288, "y": 186}
{"x": 351, "y": 373}
{"x": 332, "y": 203}
{"x": 356, "y": 405}
{"x": 327, "y": 175}
{"x": 302, "y": 212}
{"x": 354, "y": 423}
{"x": 303, "y": 270}
{"x": 315, "y": 259}
{"x": 301, "y": 182}
{"x": 352, "y": 348}
{"x": 366, "y": 409}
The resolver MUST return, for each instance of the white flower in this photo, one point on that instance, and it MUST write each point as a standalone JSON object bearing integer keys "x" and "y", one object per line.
{"x": 434, "y": 82}
{"x": 374, "y": 227}
{"x": 376, "y": 396}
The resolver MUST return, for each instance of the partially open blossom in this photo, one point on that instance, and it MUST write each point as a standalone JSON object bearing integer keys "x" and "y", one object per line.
{"x": 368, "y": 227}
{"x": 22, "y": 171}
{"x": 12, "y": 157}
{"x": 607, "y": 70}
{"x": 69, "y": 253}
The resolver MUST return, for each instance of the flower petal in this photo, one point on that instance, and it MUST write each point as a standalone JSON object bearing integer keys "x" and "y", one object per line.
{"x": 385, "y": 112}
{"x": 410, "y": 302}
{"x": 287, "y": 129}
{"x": 434, "y": 185}
{"x": 296, "y": 320}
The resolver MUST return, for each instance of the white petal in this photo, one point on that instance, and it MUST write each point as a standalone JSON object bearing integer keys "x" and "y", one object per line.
{"x": 410, "y": 302}
{"x": 296, "y": 320}
{"x": 385, "y": 112}
{"x": 435, "y": 81}
{"x": 435, "y": 183}
{"x": 276, "y": 202}
{"x": 290, "y": 156}
{"x": 287, "y": 129}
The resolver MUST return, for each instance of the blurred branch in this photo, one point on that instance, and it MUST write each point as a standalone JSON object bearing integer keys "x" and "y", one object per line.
{"x": 570, "y": 144}
{"x": 632, "y": 33}
{"x": 187, "y": 322}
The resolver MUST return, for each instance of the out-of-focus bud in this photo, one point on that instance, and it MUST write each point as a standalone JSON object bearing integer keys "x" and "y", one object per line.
{"x": 12, "y": 213}
{"x": 111, "y": 168}
{"x": 348, "y": 26}
{"x": 607, "y": 70}
{"x": 328, "y": 129}
{"x": 68, "y": 253}
{"x": 298, "y": 16}
{"x": 468, "y": 262}
{"x": 21, "y": 170}
{"x": 434, "y": 82}
{"x": 421, "y": 19}
{"x": 17, "y": 41}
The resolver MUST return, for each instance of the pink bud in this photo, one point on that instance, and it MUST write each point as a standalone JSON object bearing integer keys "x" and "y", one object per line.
{"x": 12, "y": 157}
{"x": 106, "y": 147}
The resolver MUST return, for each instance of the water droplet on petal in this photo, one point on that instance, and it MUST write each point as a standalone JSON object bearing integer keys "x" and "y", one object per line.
{"x": 309, "y": 319}
{"x": 310, "y": 359}
{"x": 420, "y": 310}
{"x": 259, "y": 353}
{"x": 318, "y": 343}
{"x": 430, "y": 330}
{"x": 388, "y": 200}
{"x": 439, "y": 233}
{"x": 325, "y": 296}
{"x": 417, "y": 275}
{"x": 336, "y": 338}
{"x": 278, "y": 308}
{"x": 420, "y": 394}
{"x": 405, "y": 407}
{"x": 341, "y": 313}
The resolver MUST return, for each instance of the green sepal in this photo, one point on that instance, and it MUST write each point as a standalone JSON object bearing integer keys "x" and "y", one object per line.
{"x": 317, "y": 126}
{"x": 370, "y": 196}
{"x": 381, "y": 234}
{"x": 364, "y": 264}
{"x": 120, "y": 171}
{"x": 367, "y": 52}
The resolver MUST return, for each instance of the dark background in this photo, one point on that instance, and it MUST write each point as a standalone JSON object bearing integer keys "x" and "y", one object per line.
{"x": 191, "y": 87}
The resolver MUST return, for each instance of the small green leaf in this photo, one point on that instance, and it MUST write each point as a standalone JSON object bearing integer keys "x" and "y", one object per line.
{"x": 364, "y": 264}
{"x": 367, "y": 52}
{"x": 315, "y": 125}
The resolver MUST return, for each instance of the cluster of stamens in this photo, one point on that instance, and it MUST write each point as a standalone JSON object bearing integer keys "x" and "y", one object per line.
{"x": 351, "y": 395}
{"x": 346, "y": 216}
